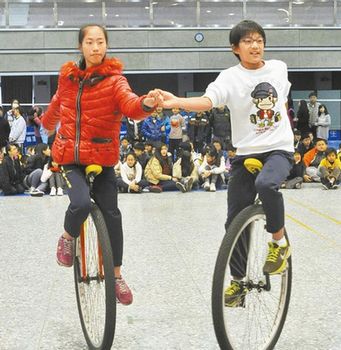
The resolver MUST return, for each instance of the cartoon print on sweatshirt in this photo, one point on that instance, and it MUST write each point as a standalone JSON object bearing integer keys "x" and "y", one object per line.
{"x": 265, "y": 97}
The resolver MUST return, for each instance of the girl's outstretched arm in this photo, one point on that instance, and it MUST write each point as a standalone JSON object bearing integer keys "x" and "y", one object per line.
{"x": 193, "y": 104}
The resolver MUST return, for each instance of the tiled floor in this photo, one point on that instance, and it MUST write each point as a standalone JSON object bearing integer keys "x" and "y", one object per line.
{"x": 171, "y": 242}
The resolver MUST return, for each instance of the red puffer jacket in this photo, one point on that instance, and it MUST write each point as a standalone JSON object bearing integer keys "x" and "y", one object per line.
{"x": 89, "y": 105}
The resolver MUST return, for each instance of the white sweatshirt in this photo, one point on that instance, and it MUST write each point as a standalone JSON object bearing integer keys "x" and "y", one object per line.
{"x": 131, "y": 174}
{"x": 256, "y": 99}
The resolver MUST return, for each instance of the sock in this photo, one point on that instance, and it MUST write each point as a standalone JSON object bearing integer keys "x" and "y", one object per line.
{"x": 281, "y": 243}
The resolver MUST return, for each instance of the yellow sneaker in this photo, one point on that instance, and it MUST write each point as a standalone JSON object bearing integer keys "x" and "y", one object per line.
{"x": 234, "y": 294}
{"x": 276, "y": 261}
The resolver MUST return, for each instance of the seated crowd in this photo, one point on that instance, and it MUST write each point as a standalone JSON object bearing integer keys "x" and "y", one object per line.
{"x": 183, "y": 151}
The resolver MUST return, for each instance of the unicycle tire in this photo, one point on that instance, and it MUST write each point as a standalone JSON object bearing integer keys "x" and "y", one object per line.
{"x": 95, "y": 293}
{"x": 235, "y": 327}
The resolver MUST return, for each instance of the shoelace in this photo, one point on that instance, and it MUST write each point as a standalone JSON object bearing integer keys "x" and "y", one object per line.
{"x": 234, "y": 288}
{"x": 122, "y": 285}
{"x": 273, "y": 253}
{"x": 67, "y": 247}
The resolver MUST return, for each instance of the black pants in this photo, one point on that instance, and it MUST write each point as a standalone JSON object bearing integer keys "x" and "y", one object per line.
{"x": 243, "y": 188}
{"x": 105, "y": 195}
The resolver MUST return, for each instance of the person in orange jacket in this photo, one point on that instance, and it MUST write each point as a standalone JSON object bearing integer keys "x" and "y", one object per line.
{"x": 312, "y": 160}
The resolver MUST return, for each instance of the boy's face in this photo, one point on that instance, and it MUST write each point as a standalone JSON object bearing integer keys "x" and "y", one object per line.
{"x": 148, "y": 148}
{"x": 321, "y": 146}
{"x": 175, "y": 110}
{"x": 250, "y": 50}
{"x": 331, "y": 157}
{"x": 124, "y": 143}
{"x": 297, "y": 137}
{"x": 306, "y": 141}
{"x": 231, "y": 153}
{"x": 313, "y": 99}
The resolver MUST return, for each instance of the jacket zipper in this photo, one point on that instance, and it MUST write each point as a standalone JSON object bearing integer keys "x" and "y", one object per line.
{"x": 78, "y": 121}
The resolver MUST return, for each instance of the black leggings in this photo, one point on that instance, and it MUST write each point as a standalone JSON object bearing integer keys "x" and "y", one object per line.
{"x": 105, "y": 195}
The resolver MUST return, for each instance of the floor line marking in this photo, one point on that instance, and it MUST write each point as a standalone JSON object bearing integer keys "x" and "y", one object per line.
{"x": 320, "y": 235}
{"x": 326, "y": 216}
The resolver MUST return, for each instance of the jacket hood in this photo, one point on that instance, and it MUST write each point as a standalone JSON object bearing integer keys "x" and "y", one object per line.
{"x": 109, "y": 66}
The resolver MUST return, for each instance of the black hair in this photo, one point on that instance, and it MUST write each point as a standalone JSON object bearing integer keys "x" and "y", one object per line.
{"x": 81, "y": 35}
{"x": 149, "y": 143}
{"x": 212, "y": 152}
{"x": 242, "y": 29}
{"x": 297, "y": 132}
{"x": 39, "y": 148}
{"x": 230, "y": 147}
{"x": 217, "y": 141}
{"x": 185, "y": 154}
{"x": 160, "y": 158}
{"x": 321, "y": 139}
{"x": 325, "y": 109}
{"x": 330, "y": 151}
{"x": 313, "y": 94}
{"x": 139, "y": 146}
{"x": 132, "y": 154}
{"x": 9, "y": 145}
{"x": 290, "y": 102}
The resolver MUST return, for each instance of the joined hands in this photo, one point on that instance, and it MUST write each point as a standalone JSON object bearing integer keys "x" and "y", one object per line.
{"x": 160, "y": 98}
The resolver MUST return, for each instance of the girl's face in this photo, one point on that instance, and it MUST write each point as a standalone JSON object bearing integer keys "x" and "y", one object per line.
{"x": 250, "y": 50}
{"x": 210, "y": 159}
{"x": 164, "y": 151}
{"x": 322, "y": 110}
{"x": 331, "y": 157}
{"x": 130, "y": 160}
{"x": 13, "y": 152}
{"x": 94, "y": 46}
{"x": 297, "y": 157}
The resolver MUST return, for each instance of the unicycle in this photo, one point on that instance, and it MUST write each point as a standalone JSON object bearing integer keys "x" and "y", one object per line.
{"x": 256, "y": 318}
{"x": 94, "y": 276}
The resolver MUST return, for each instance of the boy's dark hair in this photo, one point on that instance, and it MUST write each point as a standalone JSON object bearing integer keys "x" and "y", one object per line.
{"x": 149, "y": 143}
{"x": 313, "y": 94}
{"x": 297, "y": 132}
{"x": 139, "y": 146}
{"x": 330, "y": 151}
{"x": 39, "y": 148}
{"x": 230, "y": 147}
{"x": 217, "y": 141}
{"x": 320, "y": 139}
{"x": 242, "y": 29}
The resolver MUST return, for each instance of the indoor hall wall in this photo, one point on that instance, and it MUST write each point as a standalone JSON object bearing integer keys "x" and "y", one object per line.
{"x": 166, "y": 49}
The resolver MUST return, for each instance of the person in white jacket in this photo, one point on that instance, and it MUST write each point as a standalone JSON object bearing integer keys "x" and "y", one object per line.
{"x": 211, "y": 169}
{"x": 131, "y": 175}
{"x": 18, "y": 128}
{"x": 323, "y": 123}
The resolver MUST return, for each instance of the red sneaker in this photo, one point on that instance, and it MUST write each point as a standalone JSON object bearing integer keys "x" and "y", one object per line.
{"x": 123, "y": 292}
{"x": 65, "y": 252}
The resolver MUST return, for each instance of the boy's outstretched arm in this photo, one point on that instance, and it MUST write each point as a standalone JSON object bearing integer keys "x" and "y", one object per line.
{"x": 193, "y": 104}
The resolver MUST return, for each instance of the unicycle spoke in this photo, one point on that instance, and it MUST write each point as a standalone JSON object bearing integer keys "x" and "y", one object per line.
{"x": 257, "y": 317}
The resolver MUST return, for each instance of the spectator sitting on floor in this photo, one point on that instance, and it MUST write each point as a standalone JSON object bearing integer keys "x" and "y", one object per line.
{"x": 34, "y": 170}
{"x": 305, "y": 144}
{"x": 330, "y": 170}
{"x": 149, "y": 148}
{"x": 297, "y": 173}
{"x": 142, "y": 156}
{"x": 125, "y": 148}
{"x": 158, "y": 171}
{"x": 223, "y": 156}
{"x": 211, "y": 169}
{"x": 52, "y": 174}
{"x": 184, "y": 169}
{"x": 312, "y": 160}
{"x": 131, "y": 176}
{"x": 11, "y": 175}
